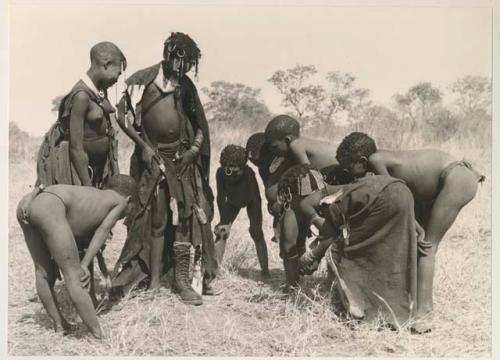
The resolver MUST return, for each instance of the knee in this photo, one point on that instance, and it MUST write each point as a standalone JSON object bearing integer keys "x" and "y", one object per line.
{"x": 287, "y": 248}
{"x": 256, "y": 233}
{"x": 158, "y": 226}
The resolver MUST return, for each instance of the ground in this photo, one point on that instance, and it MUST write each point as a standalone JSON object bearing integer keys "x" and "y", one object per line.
{"x": 253, "y": 318}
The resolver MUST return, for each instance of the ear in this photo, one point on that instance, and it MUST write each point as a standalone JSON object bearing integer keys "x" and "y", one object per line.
{"x": 363, "y": 160}
{"x": 288, "y": 139}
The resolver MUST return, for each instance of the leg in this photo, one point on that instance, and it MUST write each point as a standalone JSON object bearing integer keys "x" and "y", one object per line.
{"x": 62, "y": 246}
{"x": 157, "y": 238}
{"x": 254, "y": 212}
{"x": 458, "y": 189}
{"x": 289, "y": 233}
{"x": 45, "y": 276}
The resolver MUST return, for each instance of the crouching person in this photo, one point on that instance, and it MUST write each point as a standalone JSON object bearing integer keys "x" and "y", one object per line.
{"x": 237, "y": 188}
{"x": 371, "y": 226}
{"x": 59, "y": 219}
{"x": 295, "y": 184}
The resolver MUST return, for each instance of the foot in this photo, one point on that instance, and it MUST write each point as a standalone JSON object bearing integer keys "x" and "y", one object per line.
{"x": 211, "y": 290}
{"x": 421, "y": 326}
{"x": 154, "y": 284}
{"x": 265, "y": 275}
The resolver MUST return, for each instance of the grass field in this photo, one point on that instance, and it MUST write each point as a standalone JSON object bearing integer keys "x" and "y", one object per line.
{"x": 252, "y": 318}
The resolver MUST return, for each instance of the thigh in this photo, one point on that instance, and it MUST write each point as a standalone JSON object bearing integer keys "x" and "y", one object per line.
{"x": 56, "y": 233}
{"x": 254, "y": 212}
{"x": 160, "y": 204}
{"x": 38, "y": 251}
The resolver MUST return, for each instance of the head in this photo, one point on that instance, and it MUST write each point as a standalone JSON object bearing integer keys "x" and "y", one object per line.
{"x": 107, "y": 62}
{"x": 181, "y": 54}
{"x": 233, "y": 159}
{"x": 125, "y": 186}
{"x": 280, "y": 132}
{"x": 299, "y": 181}
{"x": 255, "y": 145}
{"x": 354, "y": 151}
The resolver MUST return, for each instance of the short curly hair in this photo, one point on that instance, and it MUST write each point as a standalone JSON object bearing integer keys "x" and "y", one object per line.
{"x": 300, "y": 180}
{"x": 281, "y": 126}
{"x": 233, "y": 155}
{"x": 354, "y": 146}
{"x": 255, "y": 143}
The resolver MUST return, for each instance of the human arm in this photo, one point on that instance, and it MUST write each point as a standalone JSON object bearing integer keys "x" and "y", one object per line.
{"x": 78, "y": 156}
{"x": 147, "y": 152}
{"x": 377, "y": 164}
{"x": 299, "y": 154}
{"x": 191, "y": 154}
{"x": 102, "y": 232}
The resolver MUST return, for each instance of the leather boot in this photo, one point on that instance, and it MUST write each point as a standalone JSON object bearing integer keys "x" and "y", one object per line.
{"x": 291, "y": 266}
{"x": 182, "y": 285}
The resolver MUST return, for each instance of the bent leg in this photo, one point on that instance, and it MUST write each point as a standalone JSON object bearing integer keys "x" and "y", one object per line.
{"x": 458, "y": 189}
{"x": 62, "y": 246}
{"x": 254, "y": 212}
{"x": 44, "y": 275}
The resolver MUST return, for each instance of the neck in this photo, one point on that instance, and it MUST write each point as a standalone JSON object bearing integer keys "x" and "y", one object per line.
{"x": 93, "y": 76}
{"x": 167, "y": 71}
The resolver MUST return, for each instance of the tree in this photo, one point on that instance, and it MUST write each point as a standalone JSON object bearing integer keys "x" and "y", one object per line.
{"x": 343, "y": 96}
{"x": 419, "y": 100}
{"x": 236, "y": 103}
{"x": 299, "y": 96}
{"x": 473, "y": 95}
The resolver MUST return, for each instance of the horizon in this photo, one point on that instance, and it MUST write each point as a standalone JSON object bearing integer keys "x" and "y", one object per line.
{"x": 386, "y": 48}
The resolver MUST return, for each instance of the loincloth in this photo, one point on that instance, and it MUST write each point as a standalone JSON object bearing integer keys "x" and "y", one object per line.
{"x": 449, "y": 168}
{"x": 26, "y": 201}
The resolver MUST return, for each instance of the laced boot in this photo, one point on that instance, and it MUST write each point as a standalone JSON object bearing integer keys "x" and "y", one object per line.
{"x": 182, "y": 285}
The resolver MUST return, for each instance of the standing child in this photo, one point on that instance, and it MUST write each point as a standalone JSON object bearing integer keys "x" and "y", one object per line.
{"x": 237, "y": 188}
{"x": 58, "y": 220}
{"x": 440, "y": 184}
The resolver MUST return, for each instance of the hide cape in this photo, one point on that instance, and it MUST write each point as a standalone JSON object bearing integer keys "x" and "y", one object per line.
{"x": 133, "y": 264}
{"x": 376, "y": 268}
{"x": 54, "y": 164}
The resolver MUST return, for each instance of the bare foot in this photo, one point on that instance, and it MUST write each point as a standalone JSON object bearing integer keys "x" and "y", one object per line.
{"x": 422, "y": 324}
{"x": 265, "y": 275}
{"x": 154, "y": 285}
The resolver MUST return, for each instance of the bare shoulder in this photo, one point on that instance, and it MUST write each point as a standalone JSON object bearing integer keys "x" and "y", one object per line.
{"x": 81, "y": 98}
{"x": 380, "y": 157}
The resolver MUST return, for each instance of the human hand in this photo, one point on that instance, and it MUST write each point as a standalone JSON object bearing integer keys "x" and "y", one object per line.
{"x": 147, "y": 156}
{"x": 308, "y": 263}
{"x": 186, "y": 159}
{"x": 222, "y": 231}
{"x": 84, "y": 277}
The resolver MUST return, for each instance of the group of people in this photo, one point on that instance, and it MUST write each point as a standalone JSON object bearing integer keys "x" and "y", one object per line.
{"x": 380, "y": 215}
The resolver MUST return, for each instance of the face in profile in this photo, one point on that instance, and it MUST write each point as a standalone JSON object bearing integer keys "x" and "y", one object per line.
{"x": 356, "y": 169}
{"x": 112, "y": 71}
{"x": 279, "y": 147}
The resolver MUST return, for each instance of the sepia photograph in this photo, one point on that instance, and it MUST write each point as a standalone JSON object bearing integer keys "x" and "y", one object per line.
{"x": 238, "y": 179}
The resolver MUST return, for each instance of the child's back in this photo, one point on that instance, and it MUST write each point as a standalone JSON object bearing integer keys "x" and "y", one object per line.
{"x": 319, "y": 154}
{"x": 421, "y": 169}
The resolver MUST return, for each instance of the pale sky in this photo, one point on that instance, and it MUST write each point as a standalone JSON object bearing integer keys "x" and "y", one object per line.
{"x": 388, "y": 49}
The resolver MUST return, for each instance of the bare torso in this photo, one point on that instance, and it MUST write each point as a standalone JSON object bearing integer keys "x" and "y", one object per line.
{"x": 86, "y": 208}
{"x": 95, "y": 141}
{"x": 162, "y": 121}
{"x": 320, "y": 154}
{"x": 420, "y": 169}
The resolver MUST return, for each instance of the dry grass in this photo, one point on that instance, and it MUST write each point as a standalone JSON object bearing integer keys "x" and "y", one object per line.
{"x": 252, "y": 318}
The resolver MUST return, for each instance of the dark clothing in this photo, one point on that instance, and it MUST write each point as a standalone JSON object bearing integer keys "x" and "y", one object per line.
{"x": 234, "y": 194}
{"x": 378, "y": 260}
{"x": 54, "y": 164}
{"x": 190, "y": 208}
